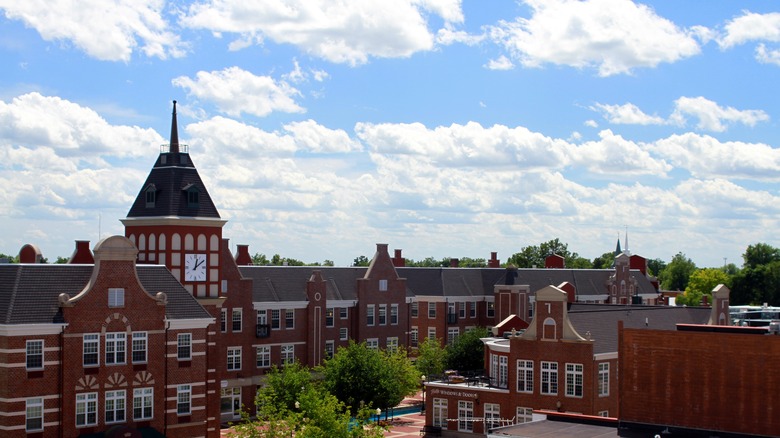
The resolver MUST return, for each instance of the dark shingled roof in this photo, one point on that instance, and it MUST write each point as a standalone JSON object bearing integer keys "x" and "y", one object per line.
{"x": 29, "y": 293}
{"x": 172, "y": 175}
{"x": 288, "y": 283}
{"x": 601, "y": 320}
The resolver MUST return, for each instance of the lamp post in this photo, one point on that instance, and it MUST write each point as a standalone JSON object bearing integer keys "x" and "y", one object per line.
{"x": 378, "y": 413}
{"x": 422, "y": 380}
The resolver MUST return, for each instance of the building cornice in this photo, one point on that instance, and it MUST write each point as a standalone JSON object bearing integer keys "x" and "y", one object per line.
{"x": 31, "y": 329}
{"x": 188, "y": 324}
{"x": 177, "y": 221}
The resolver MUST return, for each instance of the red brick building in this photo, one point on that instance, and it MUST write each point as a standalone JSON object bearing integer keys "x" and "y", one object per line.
{"x": 565, "y": 361}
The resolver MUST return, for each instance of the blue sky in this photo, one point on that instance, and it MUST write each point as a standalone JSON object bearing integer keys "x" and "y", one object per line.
{"x": 443, "y": 128}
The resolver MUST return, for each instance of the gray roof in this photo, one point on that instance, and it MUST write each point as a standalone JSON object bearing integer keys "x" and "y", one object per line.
{"x": 288, "y": 283}
{"x": 601, "y": 320}
{"x": 173, "y": 173}
{"x": 29, "y": 292}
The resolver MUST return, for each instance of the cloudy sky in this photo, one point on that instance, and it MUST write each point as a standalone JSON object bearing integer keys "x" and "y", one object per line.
{"x": 445, "y": 128}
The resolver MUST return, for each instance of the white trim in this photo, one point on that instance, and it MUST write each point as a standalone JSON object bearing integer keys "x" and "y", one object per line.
{"x": 499, "y": 345}
{"x": 281, "y": 305}
{"x": 334, "y": 303}
{"x": 278, "y": 344}
{"x": 605, "y": 356}
{"x": 24, "y": 365}
{"x": 188, "y": 324}
{"x": 31, "y": 329}
{"x": 173, "y": 220}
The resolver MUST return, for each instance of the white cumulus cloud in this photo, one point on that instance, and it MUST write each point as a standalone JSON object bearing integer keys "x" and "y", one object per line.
{"x": 614, "y": 36}
{"x": 235, "y": 91}
{"x": 711, "y": 116}
{"x": 109, "y": 30}
{"x": 628, "y": 114}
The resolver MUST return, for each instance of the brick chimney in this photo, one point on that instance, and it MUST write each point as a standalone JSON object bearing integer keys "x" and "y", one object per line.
{"x": 82, "y": 255}
{"x": 30, "y": 254}
{"x": 242, "y": 255}
{"x": 554, "y": 261}
{"x": 454, "y": 263}
{"x": 493, "y": 262}
{"x": 398, "y": 259}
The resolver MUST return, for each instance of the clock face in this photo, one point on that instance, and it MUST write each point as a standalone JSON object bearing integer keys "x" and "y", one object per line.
{"x": 195, "y": 267}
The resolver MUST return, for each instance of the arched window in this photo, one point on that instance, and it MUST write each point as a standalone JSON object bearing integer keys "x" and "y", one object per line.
{"x": 549, "y": 330}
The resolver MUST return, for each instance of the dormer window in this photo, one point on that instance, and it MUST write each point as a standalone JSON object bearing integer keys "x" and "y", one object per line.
{"x": 193, "y": 195}
{"x": 151, "y": 196}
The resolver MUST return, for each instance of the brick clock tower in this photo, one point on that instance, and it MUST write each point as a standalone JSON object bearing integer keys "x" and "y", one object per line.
{"x": 173, "y": 221}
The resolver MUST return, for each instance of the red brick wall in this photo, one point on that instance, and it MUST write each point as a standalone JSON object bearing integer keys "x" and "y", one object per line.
{"x": 701, "y": 380}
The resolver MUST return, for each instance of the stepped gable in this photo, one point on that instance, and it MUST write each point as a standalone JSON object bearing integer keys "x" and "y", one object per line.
{"x": 29, "y": 293}
{"x": 171, "y": 183}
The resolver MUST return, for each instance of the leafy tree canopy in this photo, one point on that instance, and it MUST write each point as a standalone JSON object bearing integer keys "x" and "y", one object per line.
{"x": 604, "y": 261}
{"x": 531, "y": 256}
{"x": 675, "y": 275}
{"x": 701, "y": 283}
{"x": 760, "y": 254}
{"x": 467, "y": 353}
{"x": 361, "y": 376}
{"x": 361, "y": 261}
{"x": 430, "y": 358}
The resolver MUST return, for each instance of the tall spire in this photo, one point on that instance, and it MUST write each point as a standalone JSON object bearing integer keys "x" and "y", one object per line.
{"x": 618, "y": 251}
{"x": 174, "y": 132}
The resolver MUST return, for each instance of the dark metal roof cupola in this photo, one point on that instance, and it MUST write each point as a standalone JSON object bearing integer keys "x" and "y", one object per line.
{"x": 173, "y": 187}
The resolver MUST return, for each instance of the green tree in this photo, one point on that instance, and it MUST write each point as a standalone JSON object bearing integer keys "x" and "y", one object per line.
{"x": 701, "y": 283}
{"x": 677, "y": 272}
{"x": 467, "y": 353}
{"x": 760, "y": 254}
{"x": 360, "y": 376}
{"x": 328, "y": 263}
{"x": 656, "y": 267}
{"x": 604, "y": 261}
{"x": 361, "y": 261}
{"x": 533, "y": 256}
{"x": 757, "y": 285}
{"x": 260, "y": 259}
{"x": 467, "y": 262}
{"x": 430, "y": 358}
{"x": 10, "y": 258}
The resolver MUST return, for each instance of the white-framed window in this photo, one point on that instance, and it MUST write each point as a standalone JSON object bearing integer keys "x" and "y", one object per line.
{"x": 91, "y": 353}
{"x": 461, "y": 310}
{"x": 343, "y": 313}
{"x": 237, "y": 320}
{"x": 432, "y": 333}
{"x": 230, "y": 401}
{"x": 383, "y": 314}
{"x": 115, "y": 406}
{"x": 603, "y": 379}
{"x": 473, "y": 309}
{"x": 223, "y": 320}
{"x": 263, "y": 356}
{"x": 139, "y": 347}
{"x": 329, "y": 349}
{"x": 392, "y": 343}
{"x": 499, "y": 369}
{"x": 431, "y": 310}
{"x": 86, "y": 409}
{"x": 492, "y": 416}
{"x": 524, "y": 415}
{"x": 549, "y": 378}
{"x": 394, "y": 314}
{"x": 116, "y": 297}
{"x": 382, "y": 285}
{"x": 343, "y": 334}
{"x": 288, "y": 354}
{"x": 234, "y": 358}
{"x": 330, "y": 315}
{"x": 370, "y": 310}
{"x": 574, "y": 380}
{"x": 413, "y": 309}
{"x": 465, "y": 416}
{"x": 33, "y": 415}
{"x": 603, "y": 413}
{"x": 262, "y": 317}
{"x": 289, "y": 319}
{"x": 34, "y": 355}
{"x": 525, "y": 376}
{"x": 450, "y": 310}
{"x": 275, "y": 319}
{"x": 490, "y": 309}
{"x": 414, "y": 336}
{"x": 452, "y": 335}
{"x": 184, "y": 346}
{"x": 440, "y": 412}
{"x": 116, "y": 348}
{"x": 372, "y": 343}
{"x": 143, "y": 403}
{"x": 183, "y": 399}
